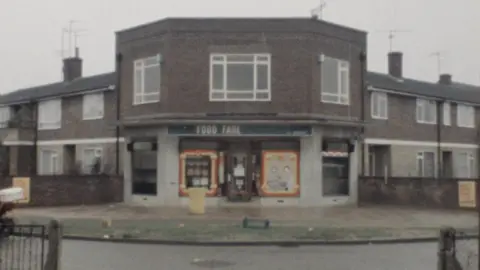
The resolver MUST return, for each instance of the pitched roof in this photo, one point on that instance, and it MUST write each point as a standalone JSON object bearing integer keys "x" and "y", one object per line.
{"x": 59, "y": 89}
{"x": 454, "y": 92}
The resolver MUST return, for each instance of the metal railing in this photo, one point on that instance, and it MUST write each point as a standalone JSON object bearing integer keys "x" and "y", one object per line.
{"x": 23, "y": 248}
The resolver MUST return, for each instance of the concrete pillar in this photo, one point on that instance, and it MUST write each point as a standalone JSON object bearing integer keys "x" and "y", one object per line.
{"x": 127, "y": 171}
{"x": 167, "y": 169}
{"x": 311, "y": 169}
{"x": 353, "y": 175}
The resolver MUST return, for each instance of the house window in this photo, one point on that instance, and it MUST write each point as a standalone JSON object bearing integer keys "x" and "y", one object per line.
{"x": 92, "y": 160}
{"x": 240, "y": 77}
{"x": 465, "y": 116}
{"x": 50, "y": 114}
{"x": 49, "y": 162}
{"x": 465, "y": 166}
{"x": 146, "y": 80}
{"x": 447, "y": 117}
{"x": 93, "y": 106}
{"x": 379, "y": 105}
{"x": 426, "y": 111}
{"x": 426, "y": 164}
{"x": 5, "y": 114}
{"x": 335, "y": 81}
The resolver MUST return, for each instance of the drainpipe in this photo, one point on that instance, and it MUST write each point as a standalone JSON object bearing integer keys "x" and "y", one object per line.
{"x": 363, "y": 64}
{"x": 439, "y": 138}
{"x": 34, "y": 105}
{"x": 117, "y": 128}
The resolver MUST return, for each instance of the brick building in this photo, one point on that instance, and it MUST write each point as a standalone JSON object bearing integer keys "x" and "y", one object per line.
{"x": 271, "y": 111}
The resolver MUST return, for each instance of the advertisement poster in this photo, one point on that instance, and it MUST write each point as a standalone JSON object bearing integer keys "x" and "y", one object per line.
{"x": 280, "y": 173}
{"x": 24, "y": 183}
{"x": 467, "y": 194}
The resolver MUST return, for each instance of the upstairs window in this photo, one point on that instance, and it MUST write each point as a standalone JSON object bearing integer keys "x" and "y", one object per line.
{"x": 146, "y": 80}
{"x": 379, "y": 105}
{"x": 50, "y": 114}
{"x": 426, "y": 111}
{"x": 240, "y": 77}
{"x": 5, "y": 114}
{"x": 93, "y": 106}
{"x": 447, "y": 116}
{"x": 335, "y": 81}
{"x": 465, "y": 116}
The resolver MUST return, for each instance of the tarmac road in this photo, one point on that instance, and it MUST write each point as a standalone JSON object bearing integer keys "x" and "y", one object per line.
{"x": 78, "y": 255}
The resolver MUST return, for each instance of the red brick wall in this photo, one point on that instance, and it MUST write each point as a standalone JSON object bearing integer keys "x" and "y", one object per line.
{"x": 409, "y": 191}
{"x": 63, "y": 190}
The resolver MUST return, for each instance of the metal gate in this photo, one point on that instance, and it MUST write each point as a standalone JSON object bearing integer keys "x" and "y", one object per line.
{"x": 24, "y": 249}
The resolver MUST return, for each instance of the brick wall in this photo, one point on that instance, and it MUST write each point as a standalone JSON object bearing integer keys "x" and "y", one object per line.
{"x": 409, "y": 191}
{"x": 62, "y": 190}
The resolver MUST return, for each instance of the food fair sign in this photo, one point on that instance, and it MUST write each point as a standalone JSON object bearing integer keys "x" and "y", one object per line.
{"x": 237, "y": 130}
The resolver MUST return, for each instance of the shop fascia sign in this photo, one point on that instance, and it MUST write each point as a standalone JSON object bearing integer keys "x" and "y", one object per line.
{"x": 236, "y": 130}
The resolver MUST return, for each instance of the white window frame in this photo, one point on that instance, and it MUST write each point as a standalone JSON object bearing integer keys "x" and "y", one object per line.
{"x": 421, "y": 156}
{"x": 343, "y": 67}
{"x": 424, "y": 104}
{"x": 470, "y": 159}
{"x": 55, "y": 163}
{"x": 98, "y": 152}
{"x": 258, "y": 59}
{"x": 378, "y": 99}
{"x": 5, "y": 116}
{"x": 462, "y": 119}
{"x": 48, "y": 111}
{"x": 88, "y": 99}
{"x": 139, "y": 95}
{"x": 447, "y": 113}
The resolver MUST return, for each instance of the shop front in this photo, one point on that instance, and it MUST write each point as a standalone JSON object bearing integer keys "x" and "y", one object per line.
{"x": 258, "y": 164}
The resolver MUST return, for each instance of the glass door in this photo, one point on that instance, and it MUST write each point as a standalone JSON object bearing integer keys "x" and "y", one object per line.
{"x": 238, "y": 172}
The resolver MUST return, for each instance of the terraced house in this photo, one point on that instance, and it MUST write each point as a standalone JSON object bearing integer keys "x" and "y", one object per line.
{"x": 61, "y": 128}
{"x": 418, "y": 128}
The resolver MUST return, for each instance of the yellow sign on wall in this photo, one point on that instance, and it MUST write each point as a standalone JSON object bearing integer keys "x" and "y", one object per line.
{"x": 24, "y": 183}
{"x": 467, "y": 194}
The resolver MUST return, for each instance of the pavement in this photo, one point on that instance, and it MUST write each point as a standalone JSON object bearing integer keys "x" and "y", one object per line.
{"x": 121, "y": 222}
{"x": 79, "y": 255}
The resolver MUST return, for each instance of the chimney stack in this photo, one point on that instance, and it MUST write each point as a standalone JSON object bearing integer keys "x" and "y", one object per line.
{"x": 395, "y": 64}
{"x": 445, "y": 79}
{"x": 72, "y": 67}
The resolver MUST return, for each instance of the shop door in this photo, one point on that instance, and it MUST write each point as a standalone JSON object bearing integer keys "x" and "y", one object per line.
{"x": 239, "y": 172}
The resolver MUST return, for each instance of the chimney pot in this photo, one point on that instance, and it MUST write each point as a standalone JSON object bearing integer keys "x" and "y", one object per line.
{"x": 395, "y": 64}
{"x": 72, "y": 67}
{"x": 445, "y": 79}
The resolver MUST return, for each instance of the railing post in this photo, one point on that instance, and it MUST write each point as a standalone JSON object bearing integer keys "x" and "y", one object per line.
{"x": 55, "y": 232}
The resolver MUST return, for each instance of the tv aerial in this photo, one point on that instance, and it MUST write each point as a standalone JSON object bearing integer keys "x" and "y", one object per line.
{"x": 317, "y": 12}
{"x": 391, "y": 36}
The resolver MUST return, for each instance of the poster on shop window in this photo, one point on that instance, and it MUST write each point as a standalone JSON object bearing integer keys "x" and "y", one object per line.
{"x": 280, "y": 173}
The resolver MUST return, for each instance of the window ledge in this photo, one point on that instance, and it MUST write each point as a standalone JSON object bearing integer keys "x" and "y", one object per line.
{"x": 93, "y": 118}
{"x": 146, "y": 102}
{"x": 336, "y": 103}
{"x": 379, "y": 117}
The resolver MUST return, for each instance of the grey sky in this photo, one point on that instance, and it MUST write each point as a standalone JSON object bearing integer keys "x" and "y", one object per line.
{"x": 31, "y": 31}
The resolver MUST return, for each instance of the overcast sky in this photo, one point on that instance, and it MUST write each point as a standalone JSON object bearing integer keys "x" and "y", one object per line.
{"x": 31, "y": 31}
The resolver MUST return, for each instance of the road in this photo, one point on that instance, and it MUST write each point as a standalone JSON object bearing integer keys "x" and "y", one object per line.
{"x": 108, "y": 256}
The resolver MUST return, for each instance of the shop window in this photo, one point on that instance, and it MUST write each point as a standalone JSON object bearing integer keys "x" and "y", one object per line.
{"x": 144, "y": 167}
{"x": 198, "y": 169}
{"x": 335, "y": 176}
